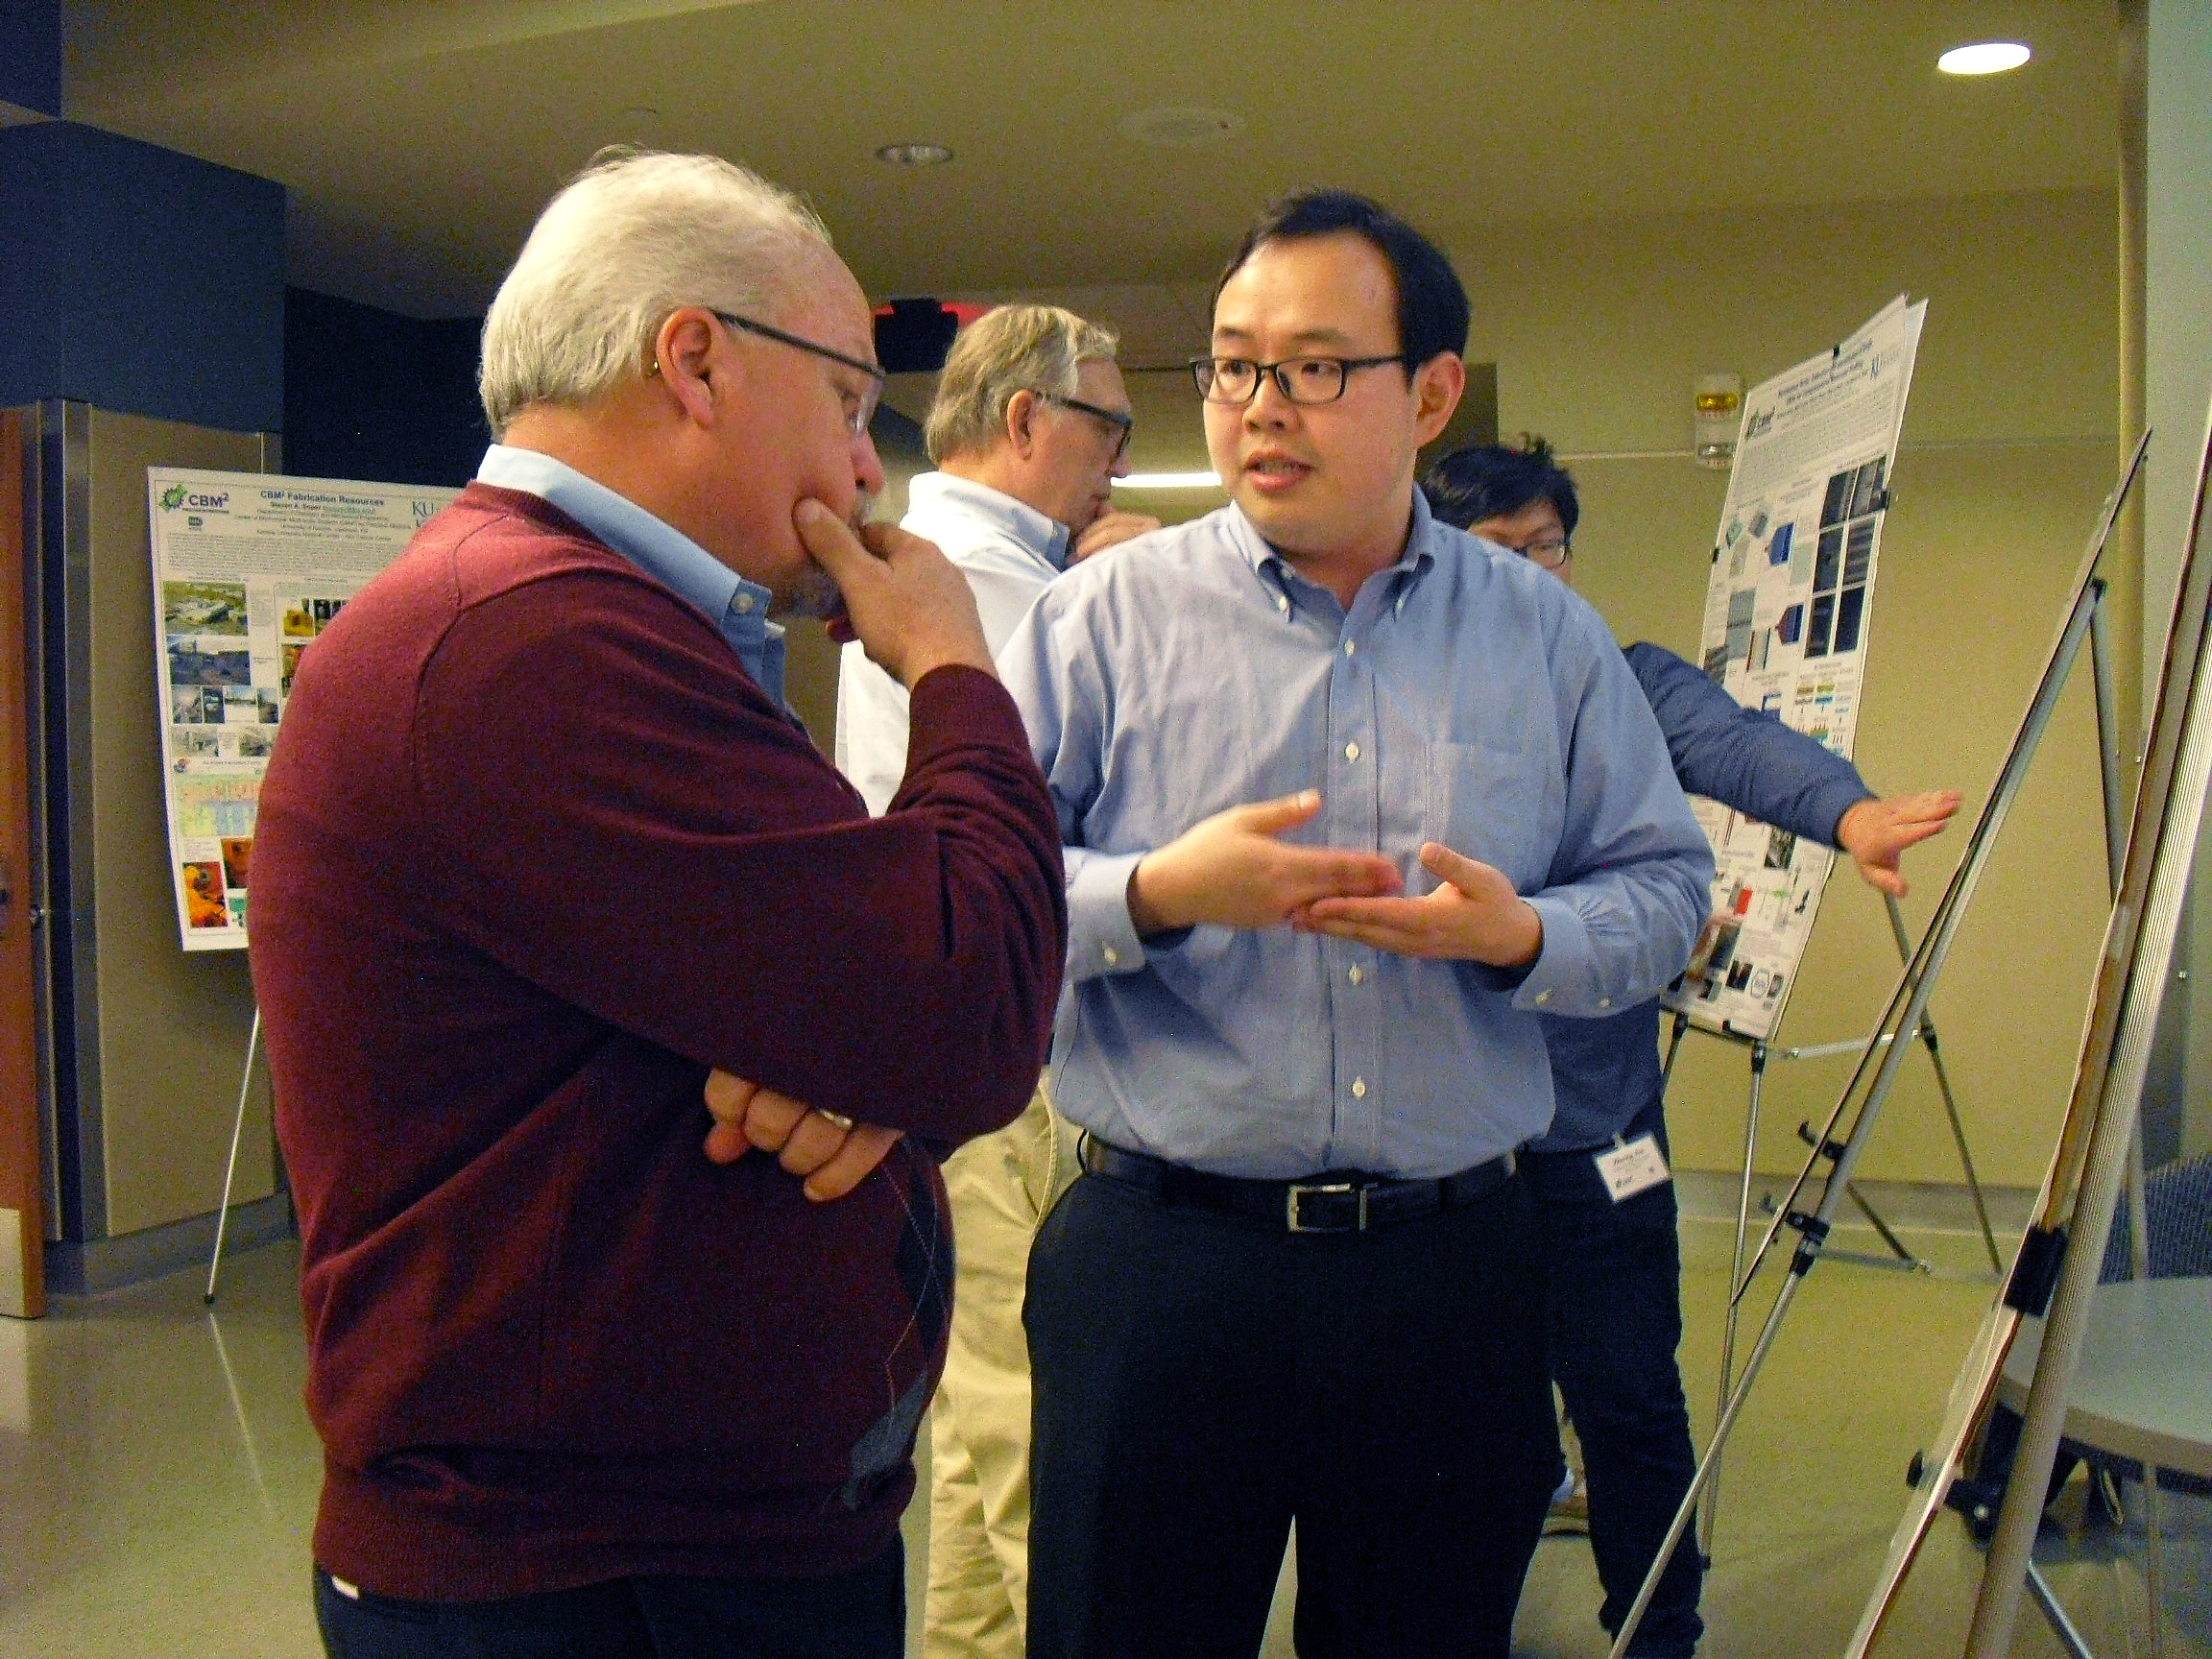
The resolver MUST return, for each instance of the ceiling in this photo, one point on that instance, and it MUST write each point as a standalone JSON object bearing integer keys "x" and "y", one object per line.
{"x": 418, "y": 139}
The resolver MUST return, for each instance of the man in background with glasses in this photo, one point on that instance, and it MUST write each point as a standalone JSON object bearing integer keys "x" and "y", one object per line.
{"x": 599, "y": 1376}
{"x": 1346, "y": 801}
{"x": 1030, "y": 428}
{"x": 1601, "y": 1172}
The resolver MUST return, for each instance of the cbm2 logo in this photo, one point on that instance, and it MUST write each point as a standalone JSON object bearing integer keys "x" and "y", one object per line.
{"x": 172, "y": 497}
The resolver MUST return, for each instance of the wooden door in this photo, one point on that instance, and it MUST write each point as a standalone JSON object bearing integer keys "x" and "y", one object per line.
{"x": 22, "y": 1234}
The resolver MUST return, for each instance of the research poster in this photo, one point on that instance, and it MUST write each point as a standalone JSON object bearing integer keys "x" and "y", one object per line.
{"x": 1789, "y": 607}
{"x": 249, "y": 567}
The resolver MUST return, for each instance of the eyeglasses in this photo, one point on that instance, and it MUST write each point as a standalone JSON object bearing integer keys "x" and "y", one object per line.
{"x": 860, "y": 406}
{"x": 1300, "y": 379}
{"x": 1123, "y": 424}
{"x": 1548, "y": 551}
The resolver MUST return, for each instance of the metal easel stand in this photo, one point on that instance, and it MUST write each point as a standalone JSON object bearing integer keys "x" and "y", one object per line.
{"x": 1880, "y": 1058}
{"x": 2168, "y": 814}
{"x": 230, "y": 1168}
{"x": 1900, "y": 1258}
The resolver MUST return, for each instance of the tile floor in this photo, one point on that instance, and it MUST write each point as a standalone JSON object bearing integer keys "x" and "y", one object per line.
{"x": 157, "y": 1483}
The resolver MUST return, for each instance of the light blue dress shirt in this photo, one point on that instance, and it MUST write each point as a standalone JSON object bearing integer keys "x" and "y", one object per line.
{"x": 739, "y": 608}
{"x": 1467, "y": 698}
{"x": 1007, "y": 550}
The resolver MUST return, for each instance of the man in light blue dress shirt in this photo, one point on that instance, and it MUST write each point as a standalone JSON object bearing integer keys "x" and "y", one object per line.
{"x": 1347, "y": 800}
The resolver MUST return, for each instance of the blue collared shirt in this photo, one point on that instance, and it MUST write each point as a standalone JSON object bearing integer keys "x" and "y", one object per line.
{"x": 1468, "y": 698}
{"x": 1007, "y": 550}
{"x": 1605, "y": 1073}
{"x": 738, "y": 608}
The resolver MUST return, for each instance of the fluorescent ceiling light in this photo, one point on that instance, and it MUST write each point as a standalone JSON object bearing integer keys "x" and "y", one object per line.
{"x": 1169, "y": 481}
{"x": 1990, "y": 58}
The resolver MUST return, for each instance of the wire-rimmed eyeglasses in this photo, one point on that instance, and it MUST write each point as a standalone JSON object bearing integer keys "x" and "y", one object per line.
{"x": 860, "y": 406}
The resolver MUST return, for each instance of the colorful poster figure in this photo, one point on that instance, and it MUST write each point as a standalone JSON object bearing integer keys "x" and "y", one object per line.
{"x": 1789, "y": 604}
{"x": 249, "y": 569}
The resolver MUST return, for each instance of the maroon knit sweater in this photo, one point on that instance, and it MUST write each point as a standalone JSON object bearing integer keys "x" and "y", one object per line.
{"x": 534, "y": 851}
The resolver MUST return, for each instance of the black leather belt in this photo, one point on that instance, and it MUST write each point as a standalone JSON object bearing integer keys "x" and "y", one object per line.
{"x": 1330, "y": 1203}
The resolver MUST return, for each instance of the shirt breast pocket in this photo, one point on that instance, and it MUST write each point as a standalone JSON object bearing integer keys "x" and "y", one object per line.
{"x": 1502, "y": 806}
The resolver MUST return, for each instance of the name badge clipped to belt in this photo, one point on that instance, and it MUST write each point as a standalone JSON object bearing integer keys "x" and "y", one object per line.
{"x": 1628, "y": 1167}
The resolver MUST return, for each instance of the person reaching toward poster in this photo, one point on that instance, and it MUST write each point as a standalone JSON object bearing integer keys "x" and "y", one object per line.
{"x": 1600, "y": 1174}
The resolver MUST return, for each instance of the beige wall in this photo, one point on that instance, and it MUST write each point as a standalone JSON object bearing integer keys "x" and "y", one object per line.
{"x": 1599, "y": 331}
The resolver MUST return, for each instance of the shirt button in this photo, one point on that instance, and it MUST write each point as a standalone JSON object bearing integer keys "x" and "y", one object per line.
{"x": 1541, "y": 998}
{"x": 1112, "y": 957}
{"x": 1604, "y": 1002}
{"x": 1356, "y": 974}
{"x": 743, "y": 603}
{"x": 1350, "y": 647}
{"x": 1360, "y": 1088}
{"x": 1282, "y": 601}
{"x": 1351, "y": 751}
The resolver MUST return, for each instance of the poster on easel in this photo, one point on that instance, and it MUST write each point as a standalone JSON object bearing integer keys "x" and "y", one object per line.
{"x": 1789, "y": 607}
{"x": 249, "y": 567}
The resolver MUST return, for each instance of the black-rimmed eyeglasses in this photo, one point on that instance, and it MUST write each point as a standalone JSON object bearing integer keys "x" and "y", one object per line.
{"x": 1300, "y": 379}
{"x": 861, "y": 405}
{"x": 1548, "y": 551}
{"x": 1123, "y": 425}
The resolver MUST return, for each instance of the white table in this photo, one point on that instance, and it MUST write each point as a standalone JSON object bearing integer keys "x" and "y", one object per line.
{"x": 2142, "y": 1390}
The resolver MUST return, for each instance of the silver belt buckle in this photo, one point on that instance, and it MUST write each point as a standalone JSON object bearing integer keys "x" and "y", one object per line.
{"x": 1299, "y": 1188}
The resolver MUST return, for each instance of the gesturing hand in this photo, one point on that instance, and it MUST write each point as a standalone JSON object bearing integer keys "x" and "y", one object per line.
{"x": 832, "y": 1153}
{"x": 1475, "y": 916}
{"x": 1230, "y": 869}
{"x": 1876, "y": 832}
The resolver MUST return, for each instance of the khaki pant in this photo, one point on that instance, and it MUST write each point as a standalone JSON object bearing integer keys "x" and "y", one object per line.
{"x": 1001, "y": 1187}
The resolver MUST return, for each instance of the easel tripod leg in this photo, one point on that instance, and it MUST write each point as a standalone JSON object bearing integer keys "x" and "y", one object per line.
{"x": 230, "y": 1167}
{"x": 1934, "y": 1049}
{"x": 1712, "y": 1499}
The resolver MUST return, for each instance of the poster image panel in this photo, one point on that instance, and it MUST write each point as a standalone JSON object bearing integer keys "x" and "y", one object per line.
{"x": 248, "y": 570}
{"x": 1789, "y": 605}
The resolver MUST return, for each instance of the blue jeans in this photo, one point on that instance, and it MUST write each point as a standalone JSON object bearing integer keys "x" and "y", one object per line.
{"x": 855, "y": 1615}
{"x": 1616, "y": 1320}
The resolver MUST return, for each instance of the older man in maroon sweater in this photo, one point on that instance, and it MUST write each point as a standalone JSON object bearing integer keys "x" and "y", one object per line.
{"x": 540, "y": 847}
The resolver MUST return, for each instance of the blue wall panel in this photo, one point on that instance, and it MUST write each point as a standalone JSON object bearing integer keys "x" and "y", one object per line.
{"x": 139, "y": 280}
{"x": 31, "y": 54}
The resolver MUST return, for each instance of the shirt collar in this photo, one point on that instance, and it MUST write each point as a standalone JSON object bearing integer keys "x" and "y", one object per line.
{"x": 1045, "y": 537}
{"x": 738, "y": 608}
{"x": 1413, "y": 560}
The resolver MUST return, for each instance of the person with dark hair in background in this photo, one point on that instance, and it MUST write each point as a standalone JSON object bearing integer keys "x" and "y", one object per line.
{"x": 1614, "y": 1268}
{"x": 1299, "y": 1278}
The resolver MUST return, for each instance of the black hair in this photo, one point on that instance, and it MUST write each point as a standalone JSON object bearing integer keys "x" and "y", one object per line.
{"x": 1496, "y": 481}
{"x": 1432, "y": 302}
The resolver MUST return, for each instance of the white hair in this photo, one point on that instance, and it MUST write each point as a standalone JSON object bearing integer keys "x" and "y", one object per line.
{"x": 634, "y": 237}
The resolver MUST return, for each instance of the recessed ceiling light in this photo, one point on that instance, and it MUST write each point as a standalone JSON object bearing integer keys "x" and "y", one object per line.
{"x": 914, "y": 155}
{"x": 1989, "y": 57}
{"x": 1180, "y": 129}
